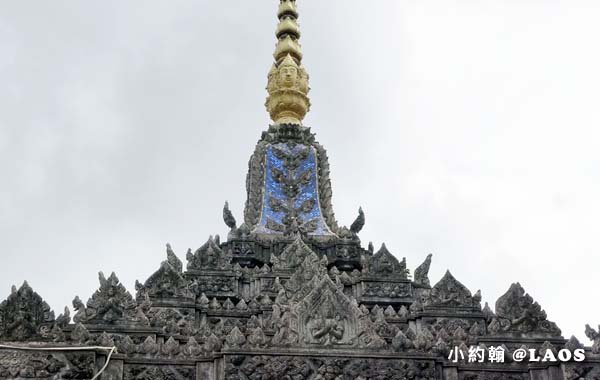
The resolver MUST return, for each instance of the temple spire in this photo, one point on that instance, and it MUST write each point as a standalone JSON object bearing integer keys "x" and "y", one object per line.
{"x": 287, "y": 102}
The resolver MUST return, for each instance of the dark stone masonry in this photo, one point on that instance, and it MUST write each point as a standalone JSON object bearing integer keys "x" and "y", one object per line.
{"x": 288, "y": 295}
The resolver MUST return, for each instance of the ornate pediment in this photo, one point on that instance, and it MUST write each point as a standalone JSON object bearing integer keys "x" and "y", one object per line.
{"x": 305, "y": 277}
{"x": 311, "y": 309}
{"x": 22, "y": 315}
{"x": 518, "y": 313}
{"x": 110, "y": 304}
{"x": 292, "y": 256}
{"x": 209, "y": 257}
{"x": 167, "y": 281}
{"x": 327, "y": 317}
{"x": 384, "y": 264}
{"x": 451, "y": 293}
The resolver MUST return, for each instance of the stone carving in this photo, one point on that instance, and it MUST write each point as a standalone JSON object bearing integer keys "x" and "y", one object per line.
{"x": 594, "y": 336}
{"x": 359, "y": 223}
{"x": 401, "y": 342}
{"x": 213, "y": 285}
{"x": 382, "y": 327}
{"x": 44, "y": 365}
{"x": 517, "y": 313}
{"x": 387, "y": 289}
{"x": 305, "y": 278}
{"x": 192, "y": 348}
{"x": 450, "y": 293}
{"x": 167, "y": 281}
{"x": 288, "y": 283}
{"x": 110, "y": 304}
{"x": 573, "y": 343}
{"x": 23, "y": 314}
{"x": 488, "y": 313}
{"x": 581, "y": 371}
{"x": 326, "y": 316}
{"x": 368, "y": 337}
{"x": 313, "y": 368}
{"x": 267, "y": 367}
{"x": 492, "y": 376}
{"x": 172, "y": 321}
{"x": 292, "y": 256}
{"x": 384, "y": 264}
{"x": 326, "y": 329}
{"x": 209, "y": 256}
{"x": 144, "y": 372}
{"x": 422, "y": 272}
{"x": 149, "y": 346}
{"x": 228, "y": 217}
{"x": 325, "y": 192}
{"x": 254, "y": 185}
{"x": 286, "y": 330}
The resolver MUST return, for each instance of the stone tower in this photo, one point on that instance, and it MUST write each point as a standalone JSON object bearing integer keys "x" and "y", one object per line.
{"x": 289, "y": 294}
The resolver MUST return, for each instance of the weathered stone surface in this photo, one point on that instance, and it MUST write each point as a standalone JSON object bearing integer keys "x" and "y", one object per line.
{"x": 45, "y": 365}
{"x": 110, "y": 304}
{"x": 422, "y": 272}
{"x": 518, "y": 313}
{"x": 450, "y": 293}
{"x": 315, "y": 368}
{"x": 290, "y": 295}
{"x": 24, "y": 315}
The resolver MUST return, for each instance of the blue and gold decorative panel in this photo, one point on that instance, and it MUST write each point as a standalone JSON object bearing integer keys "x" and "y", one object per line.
{"x": 290, "y": 199}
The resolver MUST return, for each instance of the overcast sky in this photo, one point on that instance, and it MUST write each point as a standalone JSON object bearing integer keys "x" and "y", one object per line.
{"x": 466, "y": 129}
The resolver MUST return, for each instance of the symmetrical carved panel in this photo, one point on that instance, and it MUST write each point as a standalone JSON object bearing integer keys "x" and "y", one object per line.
{"x": 518, "y": 313}
{"x": 450, "y": 293}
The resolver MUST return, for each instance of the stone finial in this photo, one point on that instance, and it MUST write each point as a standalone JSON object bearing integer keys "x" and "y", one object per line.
{"x": 359, "y": 222}
{"x": 422, "y": 272}
{"x": 287, "y": 102}
{"x": 594, "y": 337}
{"x": 228, "y": 217}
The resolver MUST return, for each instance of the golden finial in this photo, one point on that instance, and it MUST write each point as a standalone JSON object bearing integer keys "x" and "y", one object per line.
{"x": 287, "y": 102}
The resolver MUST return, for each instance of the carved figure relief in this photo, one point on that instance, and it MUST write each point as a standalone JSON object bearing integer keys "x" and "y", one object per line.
{"x": 449, "y": 292}
{"x": 516, "y": 312}
{"x": 110, "y": 304}
{"x": 384, "y": 264}
{"x": 209, "y": 256}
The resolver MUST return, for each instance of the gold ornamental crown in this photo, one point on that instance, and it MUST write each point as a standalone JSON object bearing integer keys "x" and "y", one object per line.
{"x": 287, "y": 86}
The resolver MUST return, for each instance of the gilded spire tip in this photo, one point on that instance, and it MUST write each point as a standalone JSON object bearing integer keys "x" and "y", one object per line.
{"x": 288, "y": 102}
